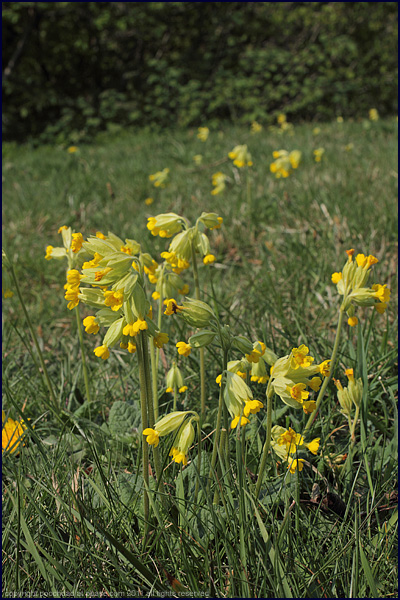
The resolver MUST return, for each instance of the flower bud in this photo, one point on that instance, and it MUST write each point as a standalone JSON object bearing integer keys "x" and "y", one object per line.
{"x": 201, "y": 339}
{"x": 242, "y": 344}
{"x": 197, "y": 313}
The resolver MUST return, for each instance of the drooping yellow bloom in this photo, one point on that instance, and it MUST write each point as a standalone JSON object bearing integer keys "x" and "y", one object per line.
{"x": 12, "y": 434}
{"x": 73, "y": 277}
{"x": 235, "y": 421}
{"x": 131, "y": 347}
{"x": 352, "y": 321}
{"x": 209, "y": 259}
{"x": 291, "y": 440}
{"x": 298, "y": 392}
{"x": 252, "y": 407}
{"x": 90, "y": 325}
{"x": 114, "y": 299}
{"x": 336, "y": 277}
{"x": 172, "y": 306}
{"x": 324, "y": 368}
{"x": 309, "y": 406}
{"x": 161, "y": 339}
{"x": 77, "y": 241}
{"x": 72, "y": 149}
{"x": 300, "y": 357}
{"x": 313, "y": 445}
{"x": 153, "y": 437}
{"x": 49, "y": 250}
{"x": 148, "y": 201}
{"x": 72, "y": 295}
{"x": 295, "y": 464}
{"x": 183, "y": 348}
{"x": 102, "y": 352}
{"x": 203, "y": 133}
{"x": 183, "y": 389}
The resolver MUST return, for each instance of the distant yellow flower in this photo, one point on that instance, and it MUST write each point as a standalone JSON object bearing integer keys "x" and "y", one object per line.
{"x": 339, "y": 119}
{"x": 318, "y": 154}
{"x": 240, "y": 156}
{"x": 7, "y": 293}
{"x": 316, "y": 130}
{"x": 72, "y": 149}
{"x": 148, "y": 201}
{"x": 284, "y": 162}
{"x": 281, "y": 118}
{"x": 256, "y": 127}
{"x": 218, "y": 180}
{"x": 203, "y": 133}
{"x": 373, "y": 114}
{"x": 159, "y": 178}
{"x": 198, "y": 159}
{"x": 349, "y": 147}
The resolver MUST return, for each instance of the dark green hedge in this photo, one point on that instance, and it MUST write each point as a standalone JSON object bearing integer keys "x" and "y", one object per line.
{"x": 71, "y": 69}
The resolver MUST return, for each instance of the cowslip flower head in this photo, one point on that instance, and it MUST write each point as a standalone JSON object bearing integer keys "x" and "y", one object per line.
{"x": 159, "y": 178}
{"x": 255, "y": 127}
{"x": 238, "y": 399}
{"x": 203, "y": 133}
{"x": 183, "y": 441}
{"x": 102, "y": 352}
{"x": 318, "y": 153}
{"x": 165, "y": 225}
{"x": 218, "y": 180}
{"x": 286, "y": 443}
{"x": 241, "y": 156}
{"x": 165, "y": 426}
{"x": 284, "y": 162}
{"x": 90, "y": 325}
{"x": 12, "y": 434}
{"x": 183, "y": 348}
{"x": 373, "y": 114}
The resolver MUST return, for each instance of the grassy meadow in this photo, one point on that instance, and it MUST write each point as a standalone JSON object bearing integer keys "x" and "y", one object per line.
{"x": 73, "y": 517}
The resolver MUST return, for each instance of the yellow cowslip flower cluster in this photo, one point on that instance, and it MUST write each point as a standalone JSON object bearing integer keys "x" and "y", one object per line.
{"x": 203, "y": 133}
{"x": 351, "y": 284}
{"x": 255, "y": 127}
{"x": 318, "y": 152}
{"x": 179, "y": 421}
{"x": 373, "y": 114}
{"x": 291, "y": 375}
{"x": 186, "y": 239}
{"x": 159, "y": 179}
{"x": 241, "y": 156}
{"x": 286, "y": 443}
{"x": 117, "y": 292}
{"x": 285, "y": 162}
{"x": 12, "y": 434}
{"x": 238, "y": 399}
{"x": 352, "y": 394}
{"x": 218, "y": 181}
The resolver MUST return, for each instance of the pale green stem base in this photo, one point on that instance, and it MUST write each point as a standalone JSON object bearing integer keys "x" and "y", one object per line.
{"x": 202, "y": 363}
{"x": 218, "y": 425}
{"x": 267, "y": 441}
{"x": 145, "y": 447}
{"x": 331, "y": 369}
{"x": 84, "y": 367}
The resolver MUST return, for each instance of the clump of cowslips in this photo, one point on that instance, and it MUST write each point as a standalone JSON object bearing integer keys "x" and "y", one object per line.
{"x": 318, "y": 153}
{"x": 285, "y": 162}
{"x": 286, "y": 443}
{"x": 291, "y": 375}
{"x": 351, "y": 284}
{"x": 218, "y": 181}
{"x": 203, "y": 133}
{"x": 180, "y": 421}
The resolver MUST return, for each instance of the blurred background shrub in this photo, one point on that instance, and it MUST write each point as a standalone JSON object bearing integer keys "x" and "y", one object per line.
{"x": 71, "y": 69}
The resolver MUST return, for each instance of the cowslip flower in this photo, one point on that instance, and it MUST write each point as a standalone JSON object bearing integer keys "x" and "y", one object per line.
{"x": 159, "y": 178}
{"x": 218, "y": 180}
{"x": 292, "y": 374}
{"x": 318, "y": 152}
{"x": 165, "y": 225}
{"x": 160, "y": 339}
{"x": 77, "y": 241}
{"x": 241, "y": 156}
{"x": 255, "y": 127}
{"x": 164, "y": 426}
{"x": 285, "y": 162}
{"x": 148, "y": 201}
{"x": 238, "y": 399}
{"x": 373, "y": 114}
{"x": 183, "y": 441}
{"x": 198, "y": 159}
{"x": 72, "y": 149}
{"x": 172, "y": 307}
{"x": 183, "y": 348}
{"x": 114, "y": 299}
{"x": 90, "y": 325}
{"x": 102, "y": 352}
{"x": 72, "y": 295}
{"x": 351, "y": 284}
{"x": 286, "y": 443}
{"x": 209, "y": 259}
{"x": 12, "y": 434}
{"x": 203, "y": 133}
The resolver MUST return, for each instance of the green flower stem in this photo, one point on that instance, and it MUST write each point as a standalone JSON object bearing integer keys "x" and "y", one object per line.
{"x": 149, "y": 401}
{"x": 145, "y": 447}
{"x": 331, "y": 369}
{"x": 248, "y": 192}
{"x": 267, "y": 443}
{"x": 353, "y": 429}
{"x": 157, "y": 350}
{"x": 84, "y": 367}
{"x": 175, "y": 397}
{"x": 218, "y": 425}
{"x": 196, "y": 491}
{"x": 35, "y": 341}
{"x": 202, "y": 363}
{"x": 153, "y": 363}
{"x": 221, "y": 465}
